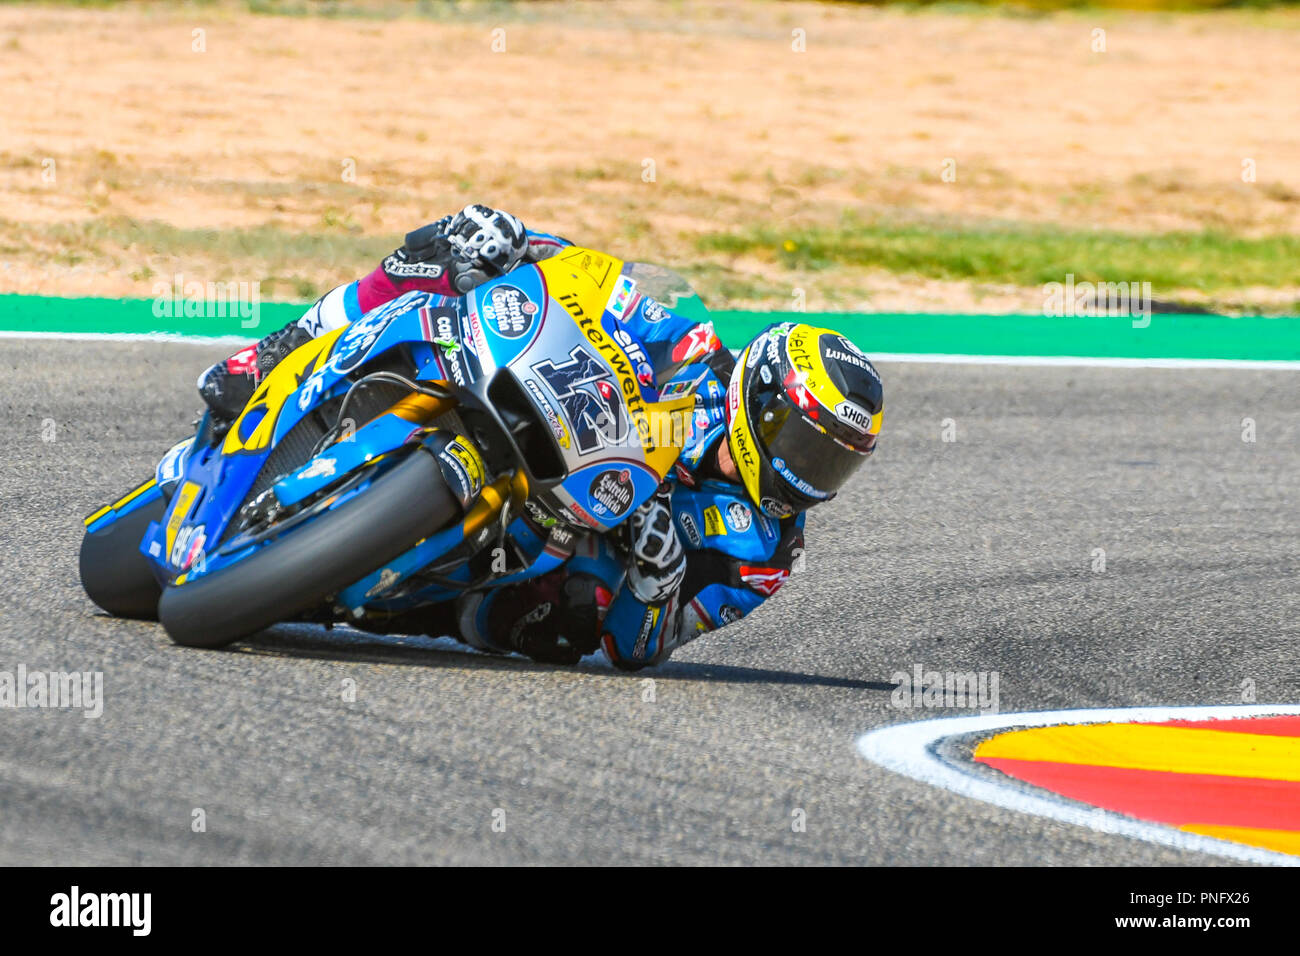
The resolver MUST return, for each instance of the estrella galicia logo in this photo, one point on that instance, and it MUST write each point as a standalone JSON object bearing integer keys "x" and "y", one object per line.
{"x": 585, "y": 389}
{"x": 739, "y": 517}
{"x": 611, "y": 493}
{"x": 508, "y": 311}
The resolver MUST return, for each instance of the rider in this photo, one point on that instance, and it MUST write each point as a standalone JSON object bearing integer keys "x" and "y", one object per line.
{"x": 774, "y": 433}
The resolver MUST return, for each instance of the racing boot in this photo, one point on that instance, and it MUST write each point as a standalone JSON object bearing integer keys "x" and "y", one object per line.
{"x": 227, "y": 386}
{"x": 554, "y": 619}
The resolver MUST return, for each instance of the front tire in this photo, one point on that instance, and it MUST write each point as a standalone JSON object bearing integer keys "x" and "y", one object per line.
{"x": 114, "y": 574}
{"x": 299, "y": 571}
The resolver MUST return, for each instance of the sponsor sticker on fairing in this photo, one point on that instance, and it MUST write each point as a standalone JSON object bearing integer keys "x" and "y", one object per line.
{"x": 508, "y": 311}
{"x": 538, "y": 514}
{"x": 355, "y": 343}
{"x": 441, "y": 327}
{"x": 621, "y": 298}
{"x": 320, "y": 468}
{"x": 552, "y": 417}
{"x": 627, "y": 341}
{"x": 476, "y": 344}
{"x": 611, "y": 493}
{"x": 581, "y": 514}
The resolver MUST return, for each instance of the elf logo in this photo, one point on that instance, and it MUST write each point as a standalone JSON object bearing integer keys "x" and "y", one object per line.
{"x": 75, "y": 909}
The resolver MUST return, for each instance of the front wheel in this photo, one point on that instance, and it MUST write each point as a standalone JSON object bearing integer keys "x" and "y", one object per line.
{"x": 298, "y": 572}
{"x": 114, "y": 574}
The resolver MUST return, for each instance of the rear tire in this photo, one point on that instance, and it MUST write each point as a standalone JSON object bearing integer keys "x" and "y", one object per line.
{"x": 298, "y": 572}
{"x": 114, "y": 574}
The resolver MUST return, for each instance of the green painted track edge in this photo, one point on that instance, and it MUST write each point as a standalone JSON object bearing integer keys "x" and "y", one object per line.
{"x": 1248, "y": 338}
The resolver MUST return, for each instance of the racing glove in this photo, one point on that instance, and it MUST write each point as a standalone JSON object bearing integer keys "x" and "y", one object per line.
{"x": 658, "y": 560}
{"x": 465, "y": 250}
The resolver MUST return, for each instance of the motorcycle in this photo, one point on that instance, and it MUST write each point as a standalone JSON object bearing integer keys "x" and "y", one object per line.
{"x": 379, "y": 468}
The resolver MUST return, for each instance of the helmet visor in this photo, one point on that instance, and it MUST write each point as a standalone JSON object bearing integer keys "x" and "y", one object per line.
{"x": 808, "y": 459}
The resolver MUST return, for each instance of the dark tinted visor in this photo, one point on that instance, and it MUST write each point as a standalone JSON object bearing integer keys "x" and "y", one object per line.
{"x": 808, "y": 459}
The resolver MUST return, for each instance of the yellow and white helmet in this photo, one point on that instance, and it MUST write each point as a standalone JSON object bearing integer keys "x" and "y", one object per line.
{"x": 803, "y": 411}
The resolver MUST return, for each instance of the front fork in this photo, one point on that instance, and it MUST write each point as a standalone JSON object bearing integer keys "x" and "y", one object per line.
{"x": 465, "y": 473}
{"x": 462, "y": 464}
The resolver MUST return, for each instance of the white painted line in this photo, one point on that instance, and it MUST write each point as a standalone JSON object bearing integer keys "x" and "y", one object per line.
{"x": 1078, "y": 360}
{"x": 908, "y": 749}
{"x": 1055, "y": 360}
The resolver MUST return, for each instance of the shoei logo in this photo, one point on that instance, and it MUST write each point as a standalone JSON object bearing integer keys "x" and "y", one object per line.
{"x": 689, "y": 528}
{"x": 854, "y": 415}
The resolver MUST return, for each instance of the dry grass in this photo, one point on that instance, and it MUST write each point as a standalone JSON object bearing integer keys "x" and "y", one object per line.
{"x": 162, "y": 155}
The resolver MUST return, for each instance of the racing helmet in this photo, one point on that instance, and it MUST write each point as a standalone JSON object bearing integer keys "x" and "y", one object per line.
{"x": 803, "y": 411}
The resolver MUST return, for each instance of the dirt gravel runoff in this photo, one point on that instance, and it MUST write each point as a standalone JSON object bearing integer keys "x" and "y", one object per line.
{"x": 638, "y": 127}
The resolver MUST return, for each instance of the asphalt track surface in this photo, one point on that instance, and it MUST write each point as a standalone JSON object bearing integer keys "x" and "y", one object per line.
{"x": 974, "y": 554}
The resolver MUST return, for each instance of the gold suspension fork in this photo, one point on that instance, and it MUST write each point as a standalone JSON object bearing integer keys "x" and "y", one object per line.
{"x": 493, "y": 497}
{"x": 421, "y": 409}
